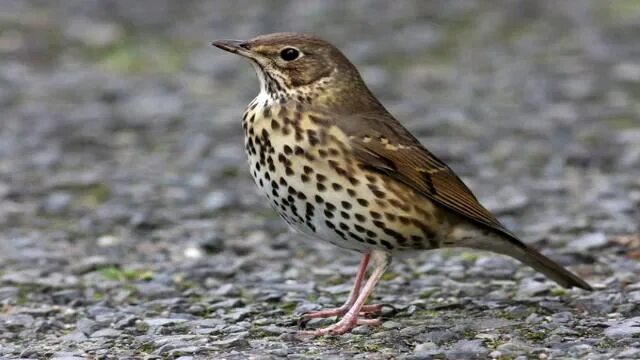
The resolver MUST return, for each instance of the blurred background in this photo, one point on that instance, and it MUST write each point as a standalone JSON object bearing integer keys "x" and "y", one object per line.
{"x": 129, "y": 224}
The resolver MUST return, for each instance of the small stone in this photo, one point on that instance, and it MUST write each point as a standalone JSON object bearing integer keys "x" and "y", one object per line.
{"x": 57, "y": 203}
{"x": 630, "y": 353}
{"x": 106, "y": 333}
{"x": 425, "y": 347}
{"x": 87, "y": 326}
{"x": 579, "y": 350}
{"x": 468, "y": 349}
{"x": 162, "y": 321}
{"x": 108, "y": 241}
{"x": 193, "y": 252}
{"x": 627, "y": 72}
{"x": 91, "y": 263}
{"x": 588, "y": 242}
{"x": 218, "y": 200}
{"x": 125, "y": 322}
{"x": 75, "y": 336}
{"x": 624, "y": 329}
{"x": 529, "y": 288}
{"x": 391, "y": 325}
{"x": 236, "y": 342}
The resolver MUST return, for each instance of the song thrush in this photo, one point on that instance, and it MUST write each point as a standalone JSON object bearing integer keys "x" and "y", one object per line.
{"x": 336, "y": 165}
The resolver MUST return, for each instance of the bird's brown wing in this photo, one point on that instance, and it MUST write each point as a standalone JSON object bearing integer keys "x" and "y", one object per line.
{"x": 384, "y": 146}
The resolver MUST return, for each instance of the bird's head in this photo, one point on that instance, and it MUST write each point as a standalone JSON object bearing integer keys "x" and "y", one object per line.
{"x": 298, "y": 67}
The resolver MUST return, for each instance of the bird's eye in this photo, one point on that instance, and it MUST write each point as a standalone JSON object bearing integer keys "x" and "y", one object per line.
{"x": 289, "y": 54}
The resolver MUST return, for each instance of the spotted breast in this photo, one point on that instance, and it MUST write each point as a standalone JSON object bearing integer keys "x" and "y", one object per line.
{"x": 304, "y": 165}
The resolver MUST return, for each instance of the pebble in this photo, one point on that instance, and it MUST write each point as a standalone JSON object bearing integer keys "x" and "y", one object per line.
{"x": 624, "y": 328}
{"x": 588, "y": 242}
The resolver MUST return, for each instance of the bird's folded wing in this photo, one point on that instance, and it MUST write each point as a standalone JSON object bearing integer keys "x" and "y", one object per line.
{"x": 382, "y": 145}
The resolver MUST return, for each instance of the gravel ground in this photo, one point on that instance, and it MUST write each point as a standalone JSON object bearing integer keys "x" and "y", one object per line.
{"x": 130, "y": 227}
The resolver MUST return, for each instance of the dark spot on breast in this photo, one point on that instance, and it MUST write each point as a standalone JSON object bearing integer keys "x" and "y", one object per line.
{"x": 379, "y": 224}
{"x": 320, "y": 178}
{"x": 292, "y": 191}
{"x": 396, "y": 235}
{"x": 376, "y": 191}
{"x": 329, "y": 224}
{"x": 363, "y": 202}
{"x": 275, "y": 125}
{"x": 346, "y": 205}
{"x": 328, "y": 214}
{"x": 336, "y": 186}
{"x": 359, "y": 228}
{"x": 313, "y": 137}
{"x": 286, "y": 130}
{"x": 318, "y": 121}
{"x": 330, "y": 206}
{"x": 386, "y": 244}
{"x": 375, "y": 215}
{"x": 345, "y": 215}
{"x": 322, "y": 153}
{"x": 390, "y": 216}
{"x": 304, "y": 178}
{"x": 319, "y": 199}
{"x": 356, "y": 237}
{"x": 321, "y": 187}
{"x": 274, "y": 185}
{"x": 298, "y": 150}
{"x": 360, "y": 217}
{"x": 307, "y": 169}
{"x": 289, "y": 171}
{"x": 397, "y": 204}
{"x": 344, "y": 226}
{"x": 351, "y": 192}
{"x": 287, "y": 150}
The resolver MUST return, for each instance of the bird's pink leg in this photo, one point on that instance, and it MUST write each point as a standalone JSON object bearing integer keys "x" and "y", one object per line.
{"x": 350, "y": 319}
{"x": 366, "y": 309}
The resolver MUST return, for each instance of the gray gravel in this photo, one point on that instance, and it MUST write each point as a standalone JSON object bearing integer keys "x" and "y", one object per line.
{"x": 130, "y": 227}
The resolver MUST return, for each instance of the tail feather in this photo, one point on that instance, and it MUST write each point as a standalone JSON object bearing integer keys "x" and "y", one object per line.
{"x": 551, "y": 269}
{"x": 511, "y": 246}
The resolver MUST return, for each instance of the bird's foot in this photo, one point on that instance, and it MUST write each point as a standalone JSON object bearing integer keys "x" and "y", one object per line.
{"x": 366, "y": 313}
{"x": 343, "y": 326}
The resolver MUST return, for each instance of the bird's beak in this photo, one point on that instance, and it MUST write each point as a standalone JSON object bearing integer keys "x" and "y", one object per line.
{"x": 235, "y": 47}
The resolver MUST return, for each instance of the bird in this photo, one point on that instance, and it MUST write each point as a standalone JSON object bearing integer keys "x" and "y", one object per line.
{"x": 337, "y": 166}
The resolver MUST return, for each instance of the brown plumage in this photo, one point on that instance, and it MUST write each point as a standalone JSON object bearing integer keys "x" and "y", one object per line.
{"x": 336, "y": 165}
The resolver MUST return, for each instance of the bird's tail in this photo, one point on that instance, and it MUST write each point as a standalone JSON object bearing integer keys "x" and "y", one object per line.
{"x": 515, "y": 248}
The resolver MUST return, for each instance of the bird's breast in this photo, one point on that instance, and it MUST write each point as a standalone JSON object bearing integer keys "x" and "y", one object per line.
{"x": 305, "y": 166}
